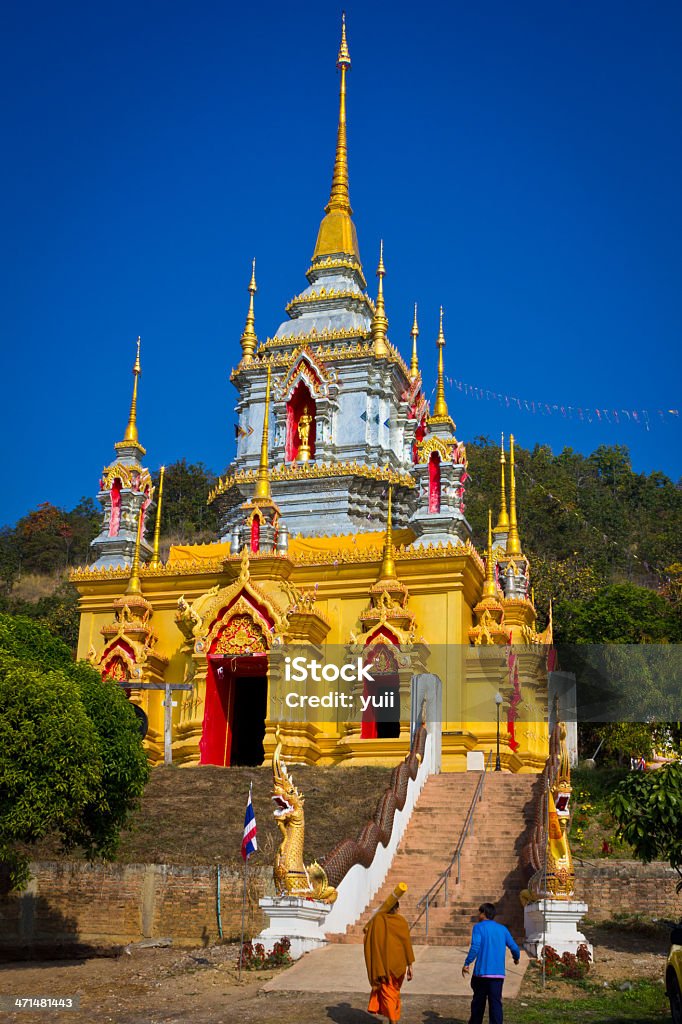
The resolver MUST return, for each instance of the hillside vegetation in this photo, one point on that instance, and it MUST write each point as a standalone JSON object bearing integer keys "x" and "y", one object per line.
{"x": 605, "y": 543}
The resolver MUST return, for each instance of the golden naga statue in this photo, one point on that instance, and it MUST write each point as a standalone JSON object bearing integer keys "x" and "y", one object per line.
{"x": 292, "y": 877}
{"x": 550, "y": 853}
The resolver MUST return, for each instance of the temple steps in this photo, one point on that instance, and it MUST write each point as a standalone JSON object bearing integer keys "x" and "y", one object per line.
{"x": 490, "y": 861}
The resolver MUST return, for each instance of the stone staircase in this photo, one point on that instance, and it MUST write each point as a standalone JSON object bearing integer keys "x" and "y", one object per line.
{"x": 490, "y": 863}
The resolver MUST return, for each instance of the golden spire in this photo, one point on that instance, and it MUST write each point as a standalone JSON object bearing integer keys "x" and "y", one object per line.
{"x": 134, "y": 586}
{"x": 489, "y": 588}
{"x": 387, "y": 571}
{"x": 379, "y": 320}
{"x": 156, "y": 561}
{"x": 440, "y": 408}
{"x": 503, "y": 520}
{"x": 131, "y": 429}
{"x": 263, "y": 473}
{"x": 248, "y": 339}
{"x": 339, "y": 198}
{"x": 513, "y": 539}
{"x": 337, "y": 232}
{"x": 414, "y": 364}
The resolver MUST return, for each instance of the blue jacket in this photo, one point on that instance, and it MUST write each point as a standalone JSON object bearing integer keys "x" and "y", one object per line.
{"x": 489, "y": 942}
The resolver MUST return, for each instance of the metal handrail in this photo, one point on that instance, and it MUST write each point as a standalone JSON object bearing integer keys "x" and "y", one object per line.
{"x": 444, "y": 877}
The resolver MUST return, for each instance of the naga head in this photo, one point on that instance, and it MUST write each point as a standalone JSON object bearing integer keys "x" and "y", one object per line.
{"x": 286, "y": 798}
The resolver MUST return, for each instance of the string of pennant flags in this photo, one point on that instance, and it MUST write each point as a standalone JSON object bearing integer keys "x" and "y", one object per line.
{"x": 640, "y": 417}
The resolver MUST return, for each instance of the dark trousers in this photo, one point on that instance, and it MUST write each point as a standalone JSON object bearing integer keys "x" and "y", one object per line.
{"x": 490, "y": 990}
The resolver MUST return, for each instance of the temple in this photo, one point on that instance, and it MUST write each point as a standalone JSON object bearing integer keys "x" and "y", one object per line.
{"x": 342, "y": 531}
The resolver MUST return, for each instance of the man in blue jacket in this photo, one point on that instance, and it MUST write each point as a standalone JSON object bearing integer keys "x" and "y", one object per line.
{"x": 489, "y": 942}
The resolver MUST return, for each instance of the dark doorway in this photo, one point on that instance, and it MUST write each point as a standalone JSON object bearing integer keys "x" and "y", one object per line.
{"x": 388, "y": 718}
{"x": 235, "y": 711}
{"x": 248, "y": 729}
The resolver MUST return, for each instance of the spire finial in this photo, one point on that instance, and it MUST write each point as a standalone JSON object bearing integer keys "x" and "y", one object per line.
{"x": 387, "y": 571}
{"x": 134, "y": 586}
{"x": 131, "y": 429}
{"x": 503, "y": 520}
{"x": 155, "y": 560}
{"x": 248, "y": 339}
{"x": 440, "y": 408}
{"x": 337, "y": 232}
{"x": 489, "y": 588}
{"x": 513, "y": 539}
{"x": 339, "y": 198}
{"x": 414, "y": 363}
{"x": 263, "y": 472}
{"x": 379, "y": 320}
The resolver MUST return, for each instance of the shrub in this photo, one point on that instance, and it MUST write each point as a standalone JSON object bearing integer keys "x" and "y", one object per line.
{"x": 254, "y": 957}
{"x": 573, "y": 966}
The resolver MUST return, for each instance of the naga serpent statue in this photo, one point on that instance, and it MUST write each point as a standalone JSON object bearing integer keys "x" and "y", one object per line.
{"x": 292, "y": 877}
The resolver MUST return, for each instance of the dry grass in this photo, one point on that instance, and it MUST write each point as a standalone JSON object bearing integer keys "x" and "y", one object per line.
{"x": 196, "y": 815}
{"x": 31, "y": 586}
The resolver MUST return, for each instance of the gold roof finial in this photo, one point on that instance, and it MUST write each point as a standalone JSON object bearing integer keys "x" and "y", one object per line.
{"x": 337, "y": 232}
{"x": 155, "y": 560}
{"x": 134, "y": 585}
{"x": 263, "y": 473}
{"x": 513, "y": 539}
{"x": 440, "y": 408}
{"x": 380, "y": 320}
{"x": 489, "y": 588}
{"x": 387, "y": 571}
{"x": 503, "y": 520}
{"x": 248, "y": 339}
{"x": 414, "y": 364}
{"x": 131, "y": 429}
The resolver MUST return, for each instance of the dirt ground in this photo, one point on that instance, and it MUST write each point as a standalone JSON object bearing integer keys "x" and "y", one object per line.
{"x": 171, "y": 986}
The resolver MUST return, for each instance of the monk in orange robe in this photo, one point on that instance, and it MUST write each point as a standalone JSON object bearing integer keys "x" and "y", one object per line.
{"x": 389, "y": 958}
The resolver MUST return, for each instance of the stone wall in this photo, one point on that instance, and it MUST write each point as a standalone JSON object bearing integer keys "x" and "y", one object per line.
{"x": 99, "y": 905}
{"x": 76, "y": 904}
{"x": 617, "y": 886}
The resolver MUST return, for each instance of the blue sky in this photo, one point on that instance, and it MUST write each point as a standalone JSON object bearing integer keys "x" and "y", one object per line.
{"x": 522, "y": 163}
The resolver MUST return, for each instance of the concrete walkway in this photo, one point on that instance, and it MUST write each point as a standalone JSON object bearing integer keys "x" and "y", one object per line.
{"x": 341, "y": 968}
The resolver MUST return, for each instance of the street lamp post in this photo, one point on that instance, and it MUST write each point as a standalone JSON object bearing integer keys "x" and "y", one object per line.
{"x": 498, "y": 702}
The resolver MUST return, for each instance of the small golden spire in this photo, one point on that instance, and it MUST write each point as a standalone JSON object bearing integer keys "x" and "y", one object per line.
{"x": 440, "y": 408}
{"x": 489, "y": 588}
{"x": 248, "y": 339}
{"x": 337, "y": 232}
{"x": 131, "y": 429}
{"x": 387, "y": 571}
{"x": 503, "y": 521}
{"x": 513, "y": 539}
{"x": 134, "y": 586}
{"x": 379, "y": 320}
{"x": 414, "y": 364}
{"x": 156, "y": 561}
{"x": 263, "y": 473}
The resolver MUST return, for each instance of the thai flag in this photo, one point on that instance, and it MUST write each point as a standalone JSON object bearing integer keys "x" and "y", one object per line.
{"x": 249, "y": 844}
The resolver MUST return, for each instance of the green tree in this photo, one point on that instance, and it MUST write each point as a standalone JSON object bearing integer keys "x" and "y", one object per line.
{"x": 185, "y": 512}
{"x": 72, "y": 763}
{"x": 10, "y": 558}
{"x": 621, "y": 614}
{"x": 648, "y": 809}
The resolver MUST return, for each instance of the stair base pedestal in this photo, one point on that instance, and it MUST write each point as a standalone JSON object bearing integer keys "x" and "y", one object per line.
{"x": 554, "y": 923}
{"x": 301, "y": 921}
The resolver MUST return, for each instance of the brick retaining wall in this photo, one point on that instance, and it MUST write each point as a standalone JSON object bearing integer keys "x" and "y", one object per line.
{"x": 110, "y": 904}
{"x": 616, "y": 886}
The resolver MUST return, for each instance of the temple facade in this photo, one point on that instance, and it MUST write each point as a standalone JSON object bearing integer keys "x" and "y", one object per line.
{"x": 343, "y": 532}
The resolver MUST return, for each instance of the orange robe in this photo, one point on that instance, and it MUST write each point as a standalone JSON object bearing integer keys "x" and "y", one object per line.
{"x": 388, "y": 953}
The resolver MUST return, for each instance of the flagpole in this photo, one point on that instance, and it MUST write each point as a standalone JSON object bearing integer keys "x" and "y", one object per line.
{"x": 246, "y": 862}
